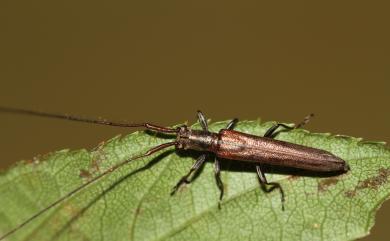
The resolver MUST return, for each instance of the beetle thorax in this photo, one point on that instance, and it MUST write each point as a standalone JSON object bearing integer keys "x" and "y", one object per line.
{"x": 198, "y": 140}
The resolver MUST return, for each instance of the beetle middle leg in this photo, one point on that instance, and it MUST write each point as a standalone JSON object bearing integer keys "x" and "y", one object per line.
{"x": 264, "y": 183}
{"x": 194, "y": 168}
{"x": 217, "y": 165}
{"x": 217, "y": 173}
{"x": 232, "y": 124}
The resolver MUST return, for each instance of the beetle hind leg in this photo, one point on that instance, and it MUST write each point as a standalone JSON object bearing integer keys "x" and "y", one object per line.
{"x": 264, "y": 183}
{"x": 271, "y": 132}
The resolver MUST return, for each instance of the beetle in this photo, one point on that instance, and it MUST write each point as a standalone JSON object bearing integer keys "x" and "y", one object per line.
{"x": 225, "y": 144}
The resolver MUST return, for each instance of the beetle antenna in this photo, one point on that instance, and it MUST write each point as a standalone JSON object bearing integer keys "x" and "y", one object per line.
{"x": 145, "y": 125}
{"x": 66, "y": 196}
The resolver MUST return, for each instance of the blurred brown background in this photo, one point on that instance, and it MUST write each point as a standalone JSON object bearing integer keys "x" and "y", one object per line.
{"x": 163, "y": 60}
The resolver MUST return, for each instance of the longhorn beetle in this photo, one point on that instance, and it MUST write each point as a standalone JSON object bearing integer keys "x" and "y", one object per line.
{"x": 226, "y": 144}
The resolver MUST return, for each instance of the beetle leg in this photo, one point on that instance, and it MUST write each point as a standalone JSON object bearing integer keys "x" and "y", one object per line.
{"x": 232, "y": 124}
{"x": 202, "y": 120}
{"x": 194, "y": 168}
{"x": 217, "y": 173}
{"x": 264, "y": 182}
{"x": 304, "y": 121}
{"x": 271, "y": 132}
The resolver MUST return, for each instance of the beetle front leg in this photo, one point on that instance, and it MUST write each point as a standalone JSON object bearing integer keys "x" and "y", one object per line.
{"x": 194, "y": 168}
{"x": 202, "y": 121}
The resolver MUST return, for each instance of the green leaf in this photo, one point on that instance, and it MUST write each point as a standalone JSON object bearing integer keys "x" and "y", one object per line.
{"x": 134, "y": 202}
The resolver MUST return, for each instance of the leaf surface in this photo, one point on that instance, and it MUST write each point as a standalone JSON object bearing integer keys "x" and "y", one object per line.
{"x": 134, "y": 202}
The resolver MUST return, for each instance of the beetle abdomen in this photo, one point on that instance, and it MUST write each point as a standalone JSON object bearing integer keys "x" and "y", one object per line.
{"x": 245, "y": 147}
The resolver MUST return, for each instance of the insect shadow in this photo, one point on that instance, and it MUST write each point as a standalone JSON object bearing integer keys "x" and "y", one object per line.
{"x": 230, "y": 166}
